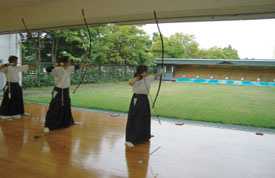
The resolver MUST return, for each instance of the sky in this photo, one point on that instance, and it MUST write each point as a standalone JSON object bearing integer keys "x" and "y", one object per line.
{"x": 254, "y": 39}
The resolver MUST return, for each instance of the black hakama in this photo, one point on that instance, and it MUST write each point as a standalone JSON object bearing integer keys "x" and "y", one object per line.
{"x": 138, "y": 129}
{"x": 59, "y": 114}
{"x": 12, "y": 103}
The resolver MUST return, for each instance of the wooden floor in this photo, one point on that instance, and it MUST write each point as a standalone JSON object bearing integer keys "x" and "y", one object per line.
{"x": 95, "y": 149}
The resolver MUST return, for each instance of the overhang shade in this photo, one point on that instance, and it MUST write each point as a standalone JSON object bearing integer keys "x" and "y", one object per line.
{"x": 45, "y": 14}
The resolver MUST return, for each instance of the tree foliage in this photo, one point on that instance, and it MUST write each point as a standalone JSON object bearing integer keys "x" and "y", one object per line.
{"x": 185, "y": 46}
{"x": 114, "y": 44}
{"x": 219, "y": 53}
{"x": 176, "y": 46}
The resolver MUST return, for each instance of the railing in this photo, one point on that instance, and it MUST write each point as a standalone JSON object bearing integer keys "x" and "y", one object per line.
{"x": 99, "y": 73}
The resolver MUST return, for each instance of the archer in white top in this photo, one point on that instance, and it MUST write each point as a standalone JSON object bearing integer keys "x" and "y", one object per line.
{"x": 138, "y": 127}
{"x": 13, "y": 72}
{"x": 142, "y": 86}
{"x": 12, "y": 105}
{"x": 62, "y": 76}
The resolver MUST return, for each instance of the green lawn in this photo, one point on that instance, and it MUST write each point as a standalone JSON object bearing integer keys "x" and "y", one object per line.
{"x": 254, "y": 106}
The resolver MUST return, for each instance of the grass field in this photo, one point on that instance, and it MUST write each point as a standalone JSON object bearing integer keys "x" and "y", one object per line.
{"x": 253, "y": 106}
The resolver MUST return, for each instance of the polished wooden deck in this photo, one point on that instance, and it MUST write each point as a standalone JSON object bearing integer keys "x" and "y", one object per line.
{"x": 95, "y": 149}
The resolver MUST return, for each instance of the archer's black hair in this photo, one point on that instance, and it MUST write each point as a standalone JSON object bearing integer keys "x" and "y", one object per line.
{"x": 63, "y": 59}
{"x": 140, "y": 69}
{"x": 13, "y": 59}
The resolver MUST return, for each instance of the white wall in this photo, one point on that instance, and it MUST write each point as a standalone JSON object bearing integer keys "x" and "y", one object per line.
{"x": 9, "y": 45}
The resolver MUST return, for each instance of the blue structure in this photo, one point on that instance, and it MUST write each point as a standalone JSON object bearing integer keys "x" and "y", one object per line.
{"x": 258, "y": 72}
{"x": 224, "y": 82}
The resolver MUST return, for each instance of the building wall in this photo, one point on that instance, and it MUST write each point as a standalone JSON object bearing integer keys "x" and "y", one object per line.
{"x": 222, "y": 72}
{"x": 9, "y": 45}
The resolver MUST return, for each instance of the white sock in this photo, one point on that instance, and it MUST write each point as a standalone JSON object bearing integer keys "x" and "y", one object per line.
{"x": 46, "y": 130}
{"x": 129, "y": 144}
{"x": 4, "y": 117}
{"x": 18, "y": 116}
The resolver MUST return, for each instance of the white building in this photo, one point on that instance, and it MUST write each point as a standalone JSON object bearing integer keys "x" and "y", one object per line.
{"x": 9, "y": 45}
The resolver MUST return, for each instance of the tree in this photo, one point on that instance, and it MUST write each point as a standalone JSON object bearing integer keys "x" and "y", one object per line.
{"x": 184, "y": 46}
{"x": 219, "y": 53}
{"x": 116, "y": 44}
{"x": 127, "y": 45}
{"x": 110, "y": 44}
{"x": 176, "y": 46}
